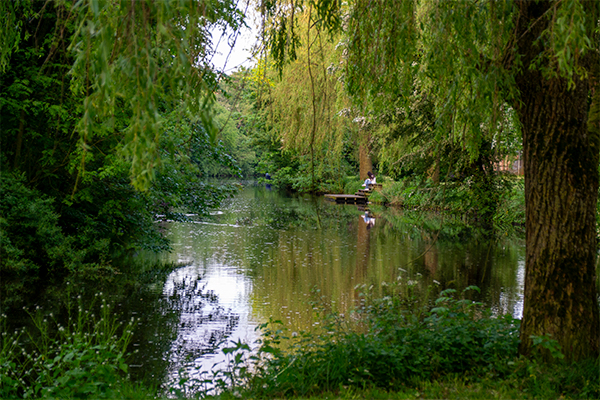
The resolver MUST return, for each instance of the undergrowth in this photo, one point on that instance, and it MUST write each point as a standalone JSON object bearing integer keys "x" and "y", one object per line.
{"x": 398, "y": 347}
{"x": 404, "y": 342}
{"x": 82, "y": 357}
{"x": 501, "y": 208}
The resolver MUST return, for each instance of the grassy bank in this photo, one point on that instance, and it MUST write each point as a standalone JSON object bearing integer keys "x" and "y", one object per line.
{"x": 395, "y": 347}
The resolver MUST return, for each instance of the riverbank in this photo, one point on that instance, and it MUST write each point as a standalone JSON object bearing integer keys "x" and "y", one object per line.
{"x": 393, "y": 347}
{"x": 501, "y": 207}
{"x": 448, "y": 347}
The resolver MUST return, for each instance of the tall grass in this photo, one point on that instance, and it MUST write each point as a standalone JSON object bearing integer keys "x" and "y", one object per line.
{"x": 82, "y": 357}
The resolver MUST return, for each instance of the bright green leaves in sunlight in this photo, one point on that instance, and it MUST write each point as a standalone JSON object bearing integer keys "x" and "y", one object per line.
{"x": 153, "y": 56}
{"x": 418, "y": 73}
{"x": 281, "y": 25}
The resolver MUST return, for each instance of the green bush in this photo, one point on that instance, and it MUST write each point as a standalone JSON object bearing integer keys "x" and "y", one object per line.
{"x": 395, "y": 347}
{"x": 29, "y": 231}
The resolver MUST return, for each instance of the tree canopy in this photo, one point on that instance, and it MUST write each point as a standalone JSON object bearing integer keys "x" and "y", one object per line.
{"x": 148, "y": 56}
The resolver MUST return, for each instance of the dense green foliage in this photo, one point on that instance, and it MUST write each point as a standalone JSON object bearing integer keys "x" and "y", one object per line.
{"x": 467, "y": 199}
{"x": 273, "y": 131}
{"x": 79, "y": 132}
{"x": 84, "y": 357}
{"x": 319, "y": 112}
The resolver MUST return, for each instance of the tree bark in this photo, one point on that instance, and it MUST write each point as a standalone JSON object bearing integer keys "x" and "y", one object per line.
{"x": 561, "y": 190}
{"x": 364, "y": 155}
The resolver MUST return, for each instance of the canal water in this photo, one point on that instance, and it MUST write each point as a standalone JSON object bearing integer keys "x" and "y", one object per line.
{"x": 267, "y": 255}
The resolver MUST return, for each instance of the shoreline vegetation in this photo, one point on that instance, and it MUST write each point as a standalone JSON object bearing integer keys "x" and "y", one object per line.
{"x": 499, "y": 209}
{"x": 400, "y": 346}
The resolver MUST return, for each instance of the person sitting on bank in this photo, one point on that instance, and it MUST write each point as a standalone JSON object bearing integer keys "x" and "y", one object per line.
{"x": 370, "y": 180}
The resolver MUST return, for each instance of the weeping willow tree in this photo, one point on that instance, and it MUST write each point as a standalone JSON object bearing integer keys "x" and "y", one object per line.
{"x": 147, "y": 56}
{"x": 477, "y": 59}
{"x": 308, "y": 94}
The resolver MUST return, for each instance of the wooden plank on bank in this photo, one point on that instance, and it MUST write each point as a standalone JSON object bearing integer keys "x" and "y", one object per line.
{"x": 346, "y": 198}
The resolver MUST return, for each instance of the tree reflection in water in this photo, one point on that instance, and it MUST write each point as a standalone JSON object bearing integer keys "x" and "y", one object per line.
{"x": 186, "y": 322}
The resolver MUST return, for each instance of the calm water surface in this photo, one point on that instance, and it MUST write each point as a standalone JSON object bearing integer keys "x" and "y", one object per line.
{"x": 267, "y": 255}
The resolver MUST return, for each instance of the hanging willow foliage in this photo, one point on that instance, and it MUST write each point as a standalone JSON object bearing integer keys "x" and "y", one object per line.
{"x": 448, "y": 49}
{"x": 280, "y": 24}
{"x": 308, "y": 96}
{"x": 462, "y": 53}
{"x": 149, "y": 55}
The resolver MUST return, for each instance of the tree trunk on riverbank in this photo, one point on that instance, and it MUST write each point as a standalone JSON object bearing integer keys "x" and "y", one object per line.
{"x": 561, "y": 190}
{"x": 364, "y": 158}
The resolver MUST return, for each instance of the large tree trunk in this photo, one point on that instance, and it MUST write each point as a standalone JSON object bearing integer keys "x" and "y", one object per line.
{"x": 364, "y": 155}
{"x": 561, "y": 190}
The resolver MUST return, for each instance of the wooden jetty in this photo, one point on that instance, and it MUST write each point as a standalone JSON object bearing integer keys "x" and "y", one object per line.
{"x": 360, "y": 197}
{"x": 346, "y": 198}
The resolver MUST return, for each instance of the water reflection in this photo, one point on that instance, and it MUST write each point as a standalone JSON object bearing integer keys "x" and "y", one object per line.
{"x": 267, "y": 255}
{"x": 369, "y": 219}
{"x": 187, "y": 322}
